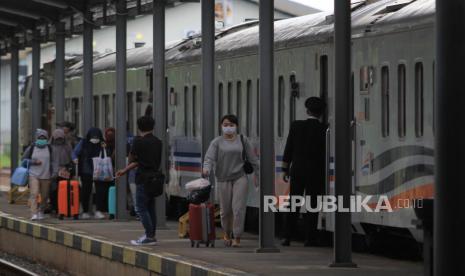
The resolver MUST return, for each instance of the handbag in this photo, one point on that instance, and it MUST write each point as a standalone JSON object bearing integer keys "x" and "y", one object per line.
{"x": 103, "y": 168}
{"x": 248, "y": 168}
{"x": 199, "y": 196}
{"x": 153, "y": 182}
{"x": 21, "y": 174}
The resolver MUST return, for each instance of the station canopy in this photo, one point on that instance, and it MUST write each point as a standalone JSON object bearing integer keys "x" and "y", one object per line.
{"x": 21, "y": 21}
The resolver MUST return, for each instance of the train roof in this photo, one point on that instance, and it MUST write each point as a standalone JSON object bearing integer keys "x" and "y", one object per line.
{"x": 367, "y": 18}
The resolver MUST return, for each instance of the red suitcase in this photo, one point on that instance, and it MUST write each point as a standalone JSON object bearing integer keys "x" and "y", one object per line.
{"x": 202, "y": 224}
{"x": 68, "y": 198}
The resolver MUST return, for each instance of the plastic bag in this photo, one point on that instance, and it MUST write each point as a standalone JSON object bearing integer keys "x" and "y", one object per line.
{"x": 103, "y": 168}
{"x": 197, "y": 184}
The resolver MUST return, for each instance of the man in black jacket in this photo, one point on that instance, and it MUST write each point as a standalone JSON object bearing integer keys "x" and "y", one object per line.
{"x": 304, "y": 163}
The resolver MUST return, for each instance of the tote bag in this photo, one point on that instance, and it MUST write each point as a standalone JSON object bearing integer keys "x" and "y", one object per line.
{"x": 21, "y": 174}
{"x": 103, "y": 168}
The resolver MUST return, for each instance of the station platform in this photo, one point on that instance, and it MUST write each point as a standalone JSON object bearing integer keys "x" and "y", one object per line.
{"x": 109, "y": 241}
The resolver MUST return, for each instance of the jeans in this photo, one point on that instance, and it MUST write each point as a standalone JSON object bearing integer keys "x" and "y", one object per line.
{"x": 145, "y": 208}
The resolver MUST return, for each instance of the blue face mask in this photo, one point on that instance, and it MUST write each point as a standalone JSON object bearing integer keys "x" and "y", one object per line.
{"x": 41, "y": 142}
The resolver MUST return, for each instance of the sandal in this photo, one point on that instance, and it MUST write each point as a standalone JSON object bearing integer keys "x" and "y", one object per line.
{"x": 227, "y": 241}
{"x": 236, "y": 242}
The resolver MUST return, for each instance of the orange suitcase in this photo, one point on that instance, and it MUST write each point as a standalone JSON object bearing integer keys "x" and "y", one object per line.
{"x": 68, "y": 199}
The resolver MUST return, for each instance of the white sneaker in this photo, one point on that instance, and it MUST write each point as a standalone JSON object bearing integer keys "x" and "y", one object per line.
{"x": 99, "y": 215}
{"x": 35, "y": 217}
{"x": 40, "y": 216}
{"x": 85, "y": 216}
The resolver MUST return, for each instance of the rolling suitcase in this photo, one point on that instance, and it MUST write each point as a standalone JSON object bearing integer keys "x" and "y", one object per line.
{"x": 202, "y": 224}
{"x": 68, "y": 198}
{"x": 112, "y": 201}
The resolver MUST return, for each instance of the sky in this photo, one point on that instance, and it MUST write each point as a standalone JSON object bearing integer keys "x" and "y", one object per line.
{"x": 324, "y": 5}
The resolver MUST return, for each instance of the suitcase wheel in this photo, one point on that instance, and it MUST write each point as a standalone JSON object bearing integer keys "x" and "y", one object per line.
{"x": 192, "y": 243}
{"x": 76, "y": 217}
{"x": 212, "y": 244}
{"x": 207, "y": 244}
{"x": 60, "y": 217}
{"x": 197, "y": 244}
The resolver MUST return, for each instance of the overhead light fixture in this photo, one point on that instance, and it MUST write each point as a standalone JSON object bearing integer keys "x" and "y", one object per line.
{"x": 20, "y": 13}
{"x": 8, "y": 23}
{"x": 53, "y": 3}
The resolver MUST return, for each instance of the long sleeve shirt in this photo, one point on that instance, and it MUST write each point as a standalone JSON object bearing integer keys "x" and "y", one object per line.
{"x": 225, "y": 158}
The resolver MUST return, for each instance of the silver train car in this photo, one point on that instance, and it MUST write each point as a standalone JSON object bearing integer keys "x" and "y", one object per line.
{"x": 392, "y": 92}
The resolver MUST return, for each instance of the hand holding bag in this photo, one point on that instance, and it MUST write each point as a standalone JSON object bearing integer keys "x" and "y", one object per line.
{"x": 248, "y": 168}
{"x": 21, "y": 174}
{"x": 103, "y": 168}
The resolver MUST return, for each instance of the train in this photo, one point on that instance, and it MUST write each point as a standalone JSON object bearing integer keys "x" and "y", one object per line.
{"x": 392, "y": 100}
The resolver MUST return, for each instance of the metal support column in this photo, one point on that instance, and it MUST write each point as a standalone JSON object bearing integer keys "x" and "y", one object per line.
{"x": 208, "y": 74}
{"x": 159, "y": 95}
{"x": 14, "y": 106}
{"x": 36, "y": 93}
{"x": 267, "y": 152}
{"x": 343, "y": 229}
{"x": 449, "y": 218}
{"x": 59, "y": 89}
{"x": 87, "y": 115}
{"x": 121, "y": 118}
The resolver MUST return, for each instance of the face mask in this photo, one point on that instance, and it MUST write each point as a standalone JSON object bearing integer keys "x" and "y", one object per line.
{"x": 41, "y": 142}
{"x": 229, "y": 130}
{"x": 94, "y": 140}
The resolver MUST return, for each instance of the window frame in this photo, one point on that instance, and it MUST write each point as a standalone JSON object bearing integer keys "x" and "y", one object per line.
{"x": 385, "y": 107}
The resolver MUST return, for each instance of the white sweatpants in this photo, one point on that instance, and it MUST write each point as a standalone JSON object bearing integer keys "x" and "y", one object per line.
{"x": 233, "y": 203}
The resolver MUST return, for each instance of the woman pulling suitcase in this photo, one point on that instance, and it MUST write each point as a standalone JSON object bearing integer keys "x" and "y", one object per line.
{"x": 232, "y": 158}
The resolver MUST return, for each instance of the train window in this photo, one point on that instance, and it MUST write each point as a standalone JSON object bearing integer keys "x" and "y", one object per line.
{"x": 220, "y": 106}
{"x": 419, "y": 112}
{"x": 324, "y": 84}
{"x": 385, "y": 101}
{"x": 401, "y": 100}
{"x": 434, "y": 98}
{"x": 248, "y": 106}
{"x": 258, "y": 107}
{"x": 367, "y": 109}
{"x": 186, "y": 110}
{"x": 96, "y": 111}
{"x": 194, "y": 110}
{"x": 239, "y": 102}
{"x": 229, "y": 98}
{"x": 130, "y": 111}
{"x": 293, "y": 85}
{"x": 280, "y": 106}
{"x": 138, "y": 104}
{"x": 113, "y": 109}
{"x": 75, "y": 113}
{"x": 106, "y": 111}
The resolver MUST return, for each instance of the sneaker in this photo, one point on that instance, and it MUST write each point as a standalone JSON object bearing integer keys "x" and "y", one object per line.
{"x": 99, "y": 215}
{"x": 35, "y": 217}
{"x": 40, "y": 216}
{"x": 85, "y": 216}
{"x": 144, "y": 241}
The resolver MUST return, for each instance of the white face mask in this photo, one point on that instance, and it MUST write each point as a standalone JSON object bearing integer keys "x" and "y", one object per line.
{"x": 229, "y": 130}
{"x": 94, "y": 140}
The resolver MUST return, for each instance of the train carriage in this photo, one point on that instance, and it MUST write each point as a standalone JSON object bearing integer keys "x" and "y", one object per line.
{"x": 392, "y": 99}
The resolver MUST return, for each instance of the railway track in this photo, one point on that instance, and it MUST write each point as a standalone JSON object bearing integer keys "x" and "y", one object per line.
{"x": 10, "y": 269}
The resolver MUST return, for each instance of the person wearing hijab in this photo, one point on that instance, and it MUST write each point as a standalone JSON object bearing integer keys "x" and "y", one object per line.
{"x": 40, "y": 158}
{"x": 61, "y": 153}
{"x": 110, "y": 142}
{"x": 89, "y": 147}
